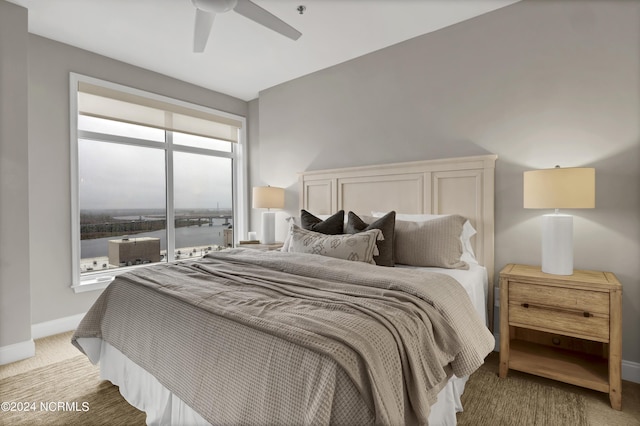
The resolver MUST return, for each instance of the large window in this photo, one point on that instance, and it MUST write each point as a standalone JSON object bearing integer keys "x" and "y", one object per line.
{"x": 153, "y": 180}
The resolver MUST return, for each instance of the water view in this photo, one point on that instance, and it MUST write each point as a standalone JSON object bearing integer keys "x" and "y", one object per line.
{"x": 112, "y": 239}
{"x": 192, "y": 236}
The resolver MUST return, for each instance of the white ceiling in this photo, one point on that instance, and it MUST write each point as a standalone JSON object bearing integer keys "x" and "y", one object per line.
{"x": 242, "y": 57}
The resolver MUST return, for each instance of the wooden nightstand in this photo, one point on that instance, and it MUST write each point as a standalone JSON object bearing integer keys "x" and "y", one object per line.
{"x": 563, "y": 327}
{"x": 274, "y": 246}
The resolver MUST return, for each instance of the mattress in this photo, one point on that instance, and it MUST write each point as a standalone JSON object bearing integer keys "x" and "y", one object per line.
{"x": 144, "y": 392}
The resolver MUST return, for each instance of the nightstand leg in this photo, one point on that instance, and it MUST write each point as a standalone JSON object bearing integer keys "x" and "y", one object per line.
{"x": 615, "y": 396}
{"x": 505, "y": 334}
{"x": 504, "y": 368}
{"x": 615, "y": 379}
{"x": 615, "y": 350}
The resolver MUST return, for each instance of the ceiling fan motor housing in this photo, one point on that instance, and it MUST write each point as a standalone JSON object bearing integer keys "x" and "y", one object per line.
{"x": 217, "y": 6}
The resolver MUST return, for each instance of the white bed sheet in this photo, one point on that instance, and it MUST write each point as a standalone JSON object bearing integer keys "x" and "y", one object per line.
{"x": 144, "y": 392}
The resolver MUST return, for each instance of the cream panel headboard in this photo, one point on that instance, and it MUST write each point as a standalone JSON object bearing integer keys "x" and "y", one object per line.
{"x": 358, "y": 193}
{"x": 463, "y": 185}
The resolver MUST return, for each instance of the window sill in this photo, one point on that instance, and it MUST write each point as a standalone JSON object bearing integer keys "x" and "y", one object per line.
{"x": 93, "y": 283}
{"x": 99, "y": 280}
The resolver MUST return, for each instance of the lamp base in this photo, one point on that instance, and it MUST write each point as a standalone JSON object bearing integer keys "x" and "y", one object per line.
{"x": 557, "y": 244}
{"x": 268, "y": 234}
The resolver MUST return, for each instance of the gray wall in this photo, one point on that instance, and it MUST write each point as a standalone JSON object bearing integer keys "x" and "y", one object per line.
{"x": 538, "y": 83}
{"x": 49, "y": 161}
{"x": 14, "y": 177}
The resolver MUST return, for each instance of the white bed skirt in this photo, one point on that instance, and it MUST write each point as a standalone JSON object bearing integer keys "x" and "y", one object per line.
{"x": 146, "y": 393}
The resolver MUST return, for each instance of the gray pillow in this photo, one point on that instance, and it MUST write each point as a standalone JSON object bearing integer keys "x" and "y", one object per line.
{"x": 433, "y": 243}
{"x": 332, "y": 225}
{"x": 359, "y": 247}
{"x": 386, "y": 224}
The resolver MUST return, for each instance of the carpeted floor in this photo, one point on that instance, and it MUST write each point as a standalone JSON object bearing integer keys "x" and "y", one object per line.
{"x": 74, "y": 382}
{"x": 488, "y": 400}
{"x": 526, "y": 400}
{"x": 60, "y": 374}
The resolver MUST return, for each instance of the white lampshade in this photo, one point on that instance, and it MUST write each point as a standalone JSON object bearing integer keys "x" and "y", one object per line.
{"x": 268, "y": 197}
{"x": 569, "y": 188}
{"x": 558, "y": 188}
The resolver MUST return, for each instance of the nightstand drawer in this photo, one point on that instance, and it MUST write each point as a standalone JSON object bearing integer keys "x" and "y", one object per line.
{"x": 585, "y": 325}
{"x": 594, "y": 302}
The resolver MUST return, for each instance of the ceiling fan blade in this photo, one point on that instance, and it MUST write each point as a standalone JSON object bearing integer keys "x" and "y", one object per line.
{"x": 254, "y": 12}
{"x": 204, "y": 21}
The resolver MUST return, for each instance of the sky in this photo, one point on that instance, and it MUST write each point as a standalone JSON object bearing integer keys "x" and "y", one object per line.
{"x": 116, "y": 176}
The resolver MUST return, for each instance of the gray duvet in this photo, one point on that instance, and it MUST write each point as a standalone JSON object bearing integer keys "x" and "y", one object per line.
{"x": 250, "y": 337}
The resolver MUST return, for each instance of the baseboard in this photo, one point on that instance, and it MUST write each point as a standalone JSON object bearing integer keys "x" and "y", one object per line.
{"x": 57, "y": 326}
{"x": 17, "y": 351}
{"x": 27, "y": 349}
{"x": 630, "y": 369}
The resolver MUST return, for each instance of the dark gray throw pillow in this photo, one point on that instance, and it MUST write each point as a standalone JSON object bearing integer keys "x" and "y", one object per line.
{"x": 333, "y": 225}
{"x": 386, "y": 224}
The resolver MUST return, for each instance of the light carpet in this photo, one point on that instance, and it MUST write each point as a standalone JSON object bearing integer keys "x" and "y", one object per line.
{"x": 59, "y": 373}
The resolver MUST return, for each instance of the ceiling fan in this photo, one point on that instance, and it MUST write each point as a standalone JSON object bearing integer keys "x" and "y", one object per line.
{"x": 206, "y": 11}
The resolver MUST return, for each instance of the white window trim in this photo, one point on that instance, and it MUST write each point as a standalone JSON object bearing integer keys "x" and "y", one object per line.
{"x": 100, "y": 280}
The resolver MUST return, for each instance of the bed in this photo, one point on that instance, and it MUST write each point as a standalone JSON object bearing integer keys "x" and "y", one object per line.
{"x": 186, "y": 352}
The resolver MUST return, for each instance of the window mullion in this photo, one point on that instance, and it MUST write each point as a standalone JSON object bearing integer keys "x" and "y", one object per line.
{"x": 171, "y": 228}
{"x": 203, "y": 151}
{"x": 123, "y": 140}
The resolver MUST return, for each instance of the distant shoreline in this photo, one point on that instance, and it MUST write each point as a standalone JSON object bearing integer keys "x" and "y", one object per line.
{"x": 190, "y": 236}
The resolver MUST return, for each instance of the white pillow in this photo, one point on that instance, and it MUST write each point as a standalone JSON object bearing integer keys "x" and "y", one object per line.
{"x": 291, "y": 221}
{"x": 468, "y": 231}
{"x": 360, "y": 247}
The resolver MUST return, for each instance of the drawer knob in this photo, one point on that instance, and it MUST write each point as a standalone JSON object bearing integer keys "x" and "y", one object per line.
{"x": 587, "y": 314}
{"x": 525, "y": 305}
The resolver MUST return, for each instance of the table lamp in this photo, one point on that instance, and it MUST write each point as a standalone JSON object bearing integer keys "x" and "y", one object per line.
{"x": 559, "y": 188}
{"x": 268, "y": 197}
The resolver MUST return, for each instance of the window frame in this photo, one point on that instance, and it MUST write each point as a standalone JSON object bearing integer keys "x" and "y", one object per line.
{"x": 100, "y": 279}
